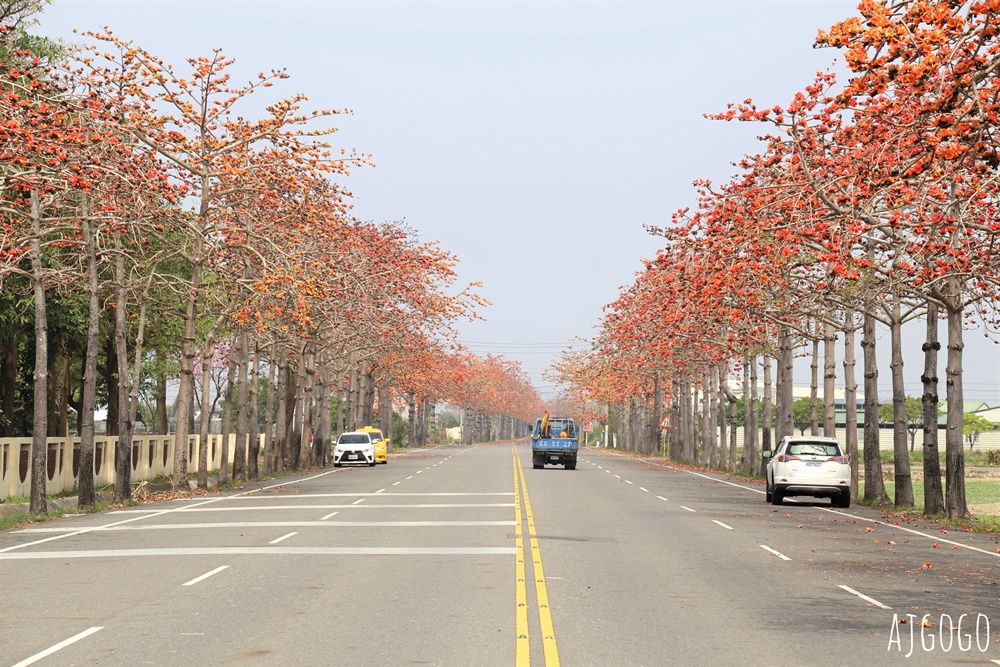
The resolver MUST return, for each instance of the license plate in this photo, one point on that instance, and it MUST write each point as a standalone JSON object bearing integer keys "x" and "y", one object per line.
{"x": 814, "y": 464}
{"x": 352, "y": 457}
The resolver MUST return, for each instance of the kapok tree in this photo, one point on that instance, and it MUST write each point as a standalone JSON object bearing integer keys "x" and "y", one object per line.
{"x": 191, "y": 122}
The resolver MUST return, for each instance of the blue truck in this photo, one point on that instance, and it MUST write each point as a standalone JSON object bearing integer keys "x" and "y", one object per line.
{"x": 554, "y": 440}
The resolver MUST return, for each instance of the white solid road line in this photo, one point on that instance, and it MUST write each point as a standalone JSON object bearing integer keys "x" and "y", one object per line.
{"x": 865, "y": 597}
{"x": 831, "y": 510}
{"x": 264, "y": 551}
{"x": 272, "y": 497}
{"x": 156, "y": 513}
{"x": 286, "y": 508}
{"x": 723, "y": 525}
{"x": 215, "y": 525}
{"x": 61, "y": 645}
{"x": 282, "y": 538}
{"x": 209, "y": 574}
{"x": 776, "y": 553}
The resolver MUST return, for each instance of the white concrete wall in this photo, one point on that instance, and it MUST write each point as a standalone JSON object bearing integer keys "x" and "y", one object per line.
{"x": 152, "y": 456}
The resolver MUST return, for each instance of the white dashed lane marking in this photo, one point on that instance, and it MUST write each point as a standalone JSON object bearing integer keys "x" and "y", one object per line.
{"x": 58, "y": 647}
{"x": 865, "y": 597}
{"x": 207, "y": 575}
{"x": 776, "y": 553}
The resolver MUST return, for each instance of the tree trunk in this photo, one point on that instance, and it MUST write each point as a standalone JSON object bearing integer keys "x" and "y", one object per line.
{"x": 227, "y": 418}
{"x": 64, "y": 369}
{"x": 296, "y": 432}
{"x": 205, "y": 419}
{"x": 900, "y": 445}
{"x": 411, "y": 415}
{"x": 352, "y": 397}
{"x": 829, "y": 380}
{"x": 242, "y": 363}
{"x": 308, "y": 413}
{"x": 768, "y": 410}
{"x": 127, "y": 383}
{"x": 874, "y": 485}
{"x": 385, "y": 411}
{"x": 750, "y": 449}
{"x": 85, "y": 484}
{"x": 253, "y": 456}
{"x": 324, "y": 406}
{"x": 814, "y": 389}
{"x": 185, "y": 392}
{"x": 851, "y": 402}
{"x": 786, "y": 362}
{"x": 654, "y": 435}
{"x": 711, "y": 415}
{"x": 933, "y": 493}
{"x": 955, "y": 504}
{"x": 341, "y": 410}
{"x": 293, "y": 417}
{"x": 280, "y": 424}
{"x": 162, "y": 417}
{"x": 747, "y": 421}
{"x": 39, "y": 436}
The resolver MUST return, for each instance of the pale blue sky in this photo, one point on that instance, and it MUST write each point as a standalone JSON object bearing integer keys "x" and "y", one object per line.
{"x": 507, "y": 129}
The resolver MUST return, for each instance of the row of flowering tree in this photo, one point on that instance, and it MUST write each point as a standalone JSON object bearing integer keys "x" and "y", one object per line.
{"x": 145, "y": 217}
{"x": 871, "y": 202}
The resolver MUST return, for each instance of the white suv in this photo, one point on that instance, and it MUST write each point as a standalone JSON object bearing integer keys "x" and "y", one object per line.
{"x": 354, "y": 447}
{"x": 808, "y": 465}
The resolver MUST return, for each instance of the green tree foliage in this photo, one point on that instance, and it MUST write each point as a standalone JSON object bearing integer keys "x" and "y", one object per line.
{"x": 973, "y": 425}
{"x": 802, "y": 414}
{"x": 914, "y": 417}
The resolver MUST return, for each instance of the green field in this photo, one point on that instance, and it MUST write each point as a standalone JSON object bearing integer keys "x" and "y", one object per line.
{"x": 977, "y": 492}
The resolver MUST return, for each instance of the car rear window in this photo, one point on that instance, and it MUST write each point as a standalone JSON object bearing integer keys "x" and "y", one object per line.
{"x": 815, "y": 448}
{"x": 353, "y": 439}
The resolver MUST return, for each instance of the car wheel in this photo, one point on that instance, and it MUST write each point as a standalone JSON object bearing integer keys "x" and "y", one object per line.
{"x": 336, "y": 465}
{"x": 767, "y": 492}
{"x": 570, "y": 466}
{"x": 777, "y": 496}
{"x": 372, "y": 464}
{"x": 844, "y": 501}
{"x": 537, "y": 466}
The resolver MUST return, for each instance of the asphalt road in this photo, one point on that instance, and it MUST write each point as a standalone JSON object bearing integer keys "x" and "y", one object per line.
{"x": 467, "y": 556}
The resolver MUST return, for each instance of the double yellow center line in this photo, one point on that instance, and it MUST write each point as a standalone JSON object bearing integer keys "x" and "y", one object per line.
{"x": 523, "y": 650}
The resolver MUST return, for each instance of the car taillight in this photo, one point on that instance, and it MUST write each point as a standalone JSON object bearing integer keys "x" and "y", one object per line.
{"x": 787, "y": 457}
{"x": 839, "y": 459}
